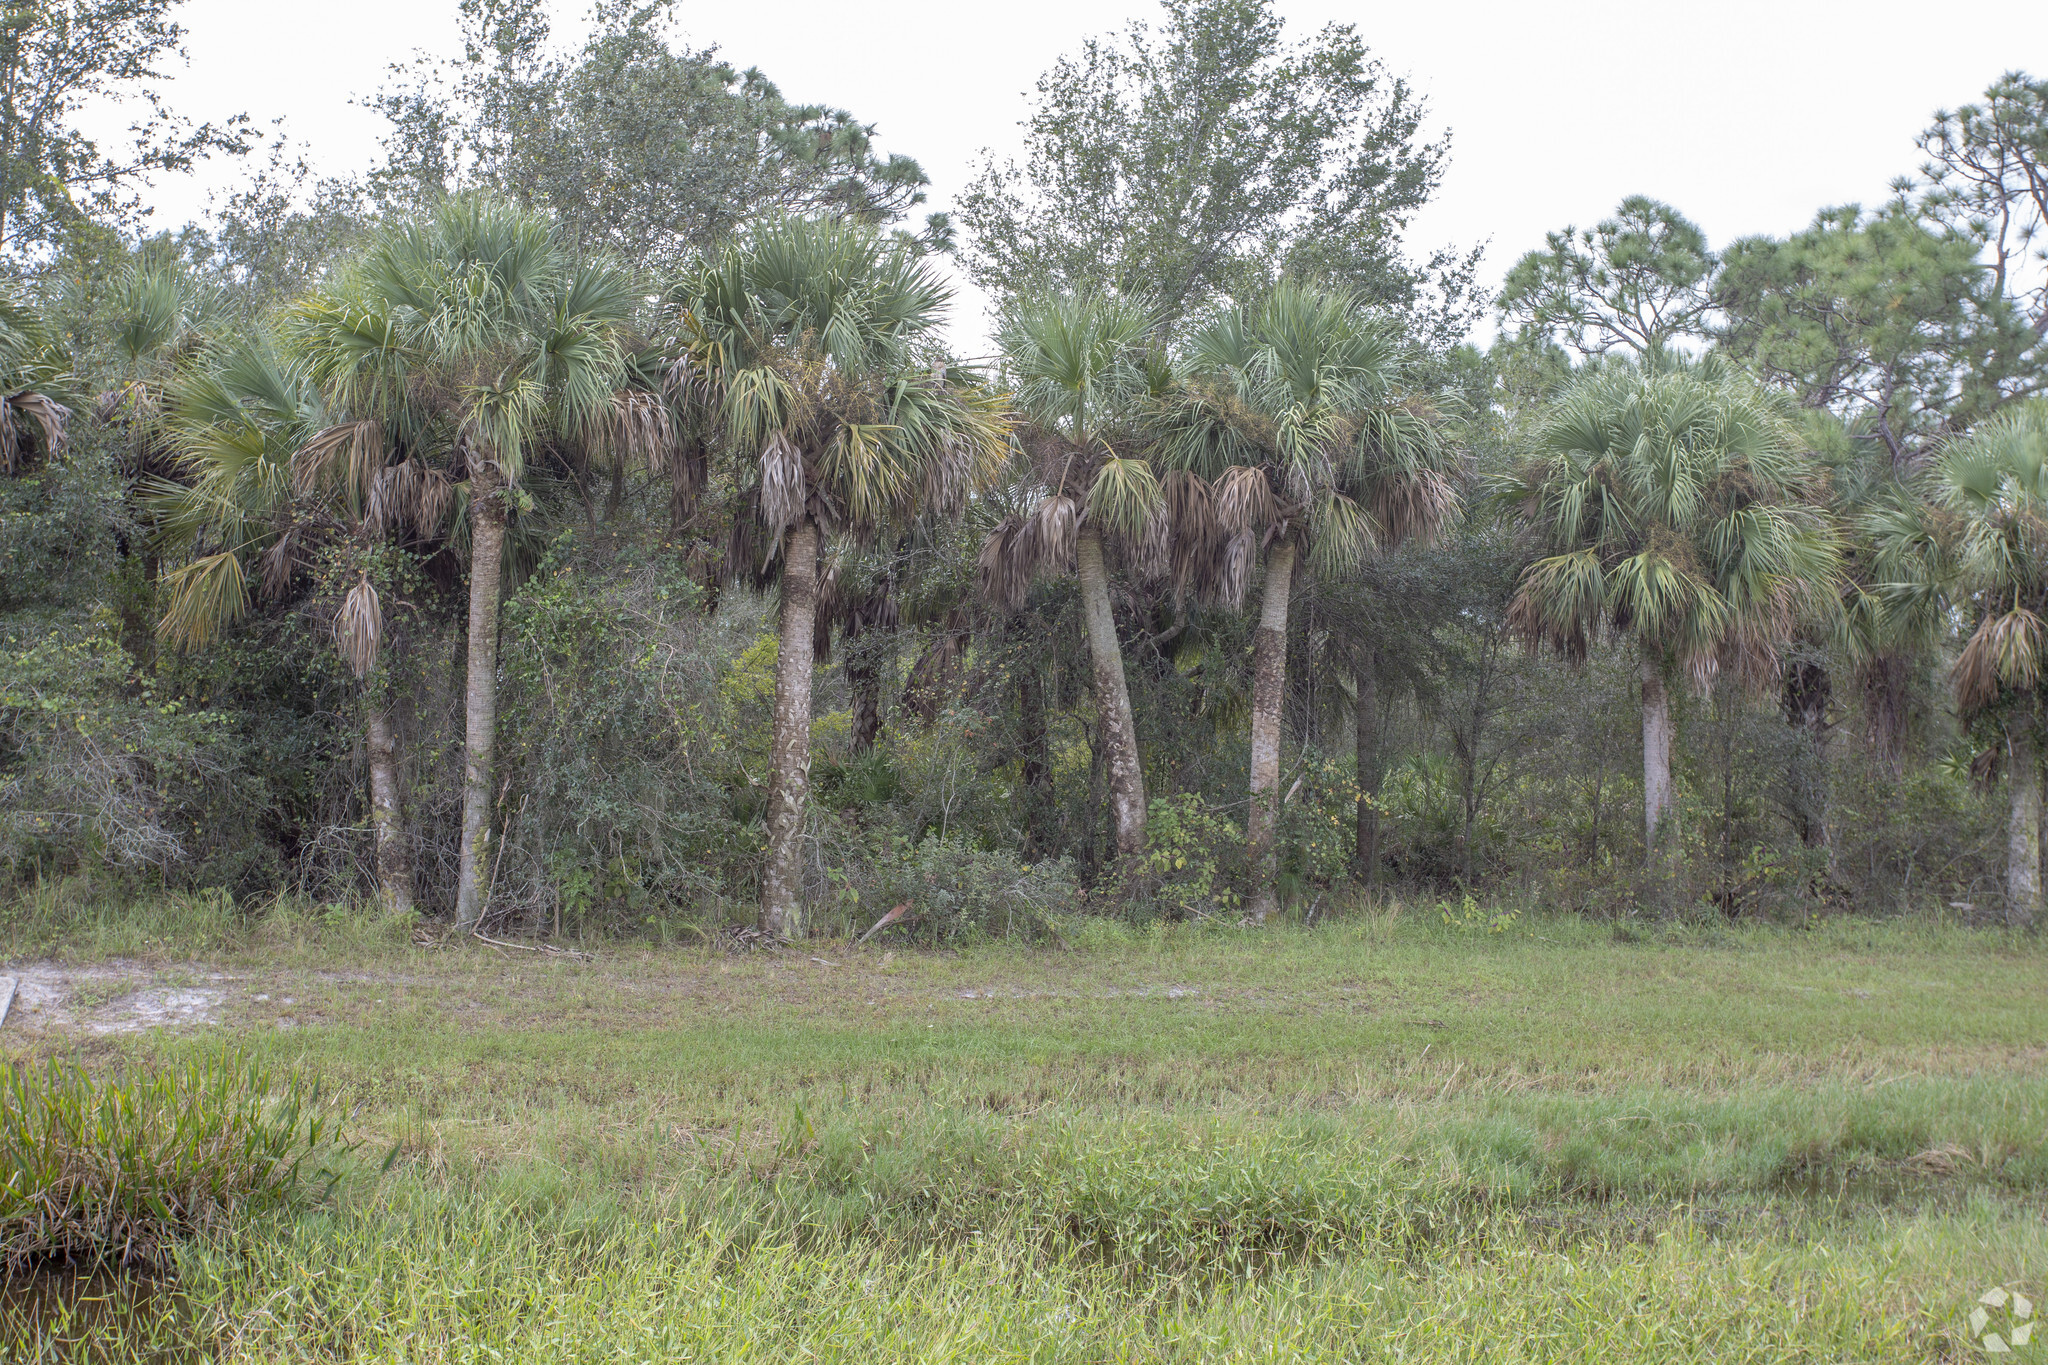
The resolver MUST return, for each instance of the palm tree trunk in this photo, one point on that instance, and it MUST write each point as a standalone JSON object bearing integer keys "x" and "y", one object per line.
{"x": 1366, "y": 850}
{"x": 789, "y": 759}
{"x": 1269, "y": 685}
{"x": 394, "y": 860}
{"x": 480, "y": 700}
{"x": 864, "y": 680}
{"x": 1036, "y": 752}
{"x": 1112, "y": 697}
{"x": 2023, "y": 833}
{"x": 1656, "y": 764}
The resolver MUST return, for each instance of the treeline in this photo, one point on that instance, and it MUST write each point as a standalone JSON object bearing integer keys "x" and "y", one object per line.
{"x": 584, "y": 523}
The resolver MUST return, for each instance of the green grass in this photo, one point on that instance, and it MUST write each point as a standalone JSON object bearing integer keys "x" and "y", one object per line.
{"x": 1381, "y": 1139}
{"x": 116, "y": 1169}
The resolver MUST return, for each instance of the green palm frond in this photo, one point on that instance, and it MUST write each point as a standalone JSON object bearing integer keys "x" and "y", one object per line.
{"x": 1305, "y": 388}
{"x": 809, "y": 346}
{"x": 203, "y": 598}
{"x": 1684, "y": 489}
{"x": 1125, "y": 497}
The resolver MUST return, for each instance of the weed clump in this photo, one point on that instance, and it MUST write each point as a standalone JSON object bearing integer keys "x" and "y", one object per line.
{"x": 117, "y": 1170}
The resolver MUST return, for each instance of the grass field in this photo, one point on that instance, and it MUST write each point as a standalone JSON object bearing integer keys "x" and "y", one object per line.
{"x": 1383, "y": 1139}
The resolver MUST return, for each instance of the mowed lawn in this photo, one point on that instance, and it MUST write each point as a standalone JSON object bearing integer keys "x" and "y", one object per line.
{"x": 1380, "y": 1139}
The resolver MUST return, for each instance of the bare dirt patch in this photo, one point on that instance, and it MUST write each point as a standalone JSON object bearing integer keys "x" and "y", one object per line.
{"x": 111, "y": 998}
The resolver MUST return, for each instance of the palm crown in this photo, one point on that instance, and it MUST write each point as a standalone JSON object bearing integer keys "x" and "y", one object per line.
{"x": 1291, "y": 421}
{"x": 462, "y": 341}
{"x": 1996, "y": 483}
{"x": 1077, "y": 367}
{"x": 1675, "y": 505}
{"x": 813, "y": 347}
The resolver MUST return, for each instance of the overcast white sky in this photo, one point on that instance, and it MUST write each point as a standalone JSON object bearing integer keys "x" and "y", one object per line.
{"x": 1748, "y": 116}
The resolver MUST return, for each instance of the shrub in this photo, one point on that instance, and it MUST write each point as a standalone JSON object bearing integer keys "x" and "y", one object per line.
{"x": 957, "y": 892}
{"x": 118, "y": 1170}
{"x": 1184, "y": 870}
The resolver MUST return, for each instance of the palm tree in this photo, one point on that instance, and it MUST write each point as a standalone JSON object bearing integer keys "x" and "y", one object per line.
{"x": 37, "y": 390}
{"x": 1677, "y": 510}
{"x": 236, "y": 426}
{"x": 1290, "y": 433}
{"x": 813, "y": 345}
{"x": 1077, "y": 366}
{"x": 1984, "y": 538}
{"x": 447, "y": 354}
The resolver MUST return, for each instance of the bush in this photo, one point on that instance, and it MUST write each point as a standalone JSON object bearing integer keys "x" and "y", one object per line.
{"x": 1184, "y": 872}
{"x": 118, "y": 1170}
{"x": 957, "y": 893}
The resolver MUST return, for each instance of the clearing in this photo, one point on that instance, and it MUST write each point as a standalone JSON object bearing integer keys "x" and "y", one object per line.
{"x": 1383, "y": 1138}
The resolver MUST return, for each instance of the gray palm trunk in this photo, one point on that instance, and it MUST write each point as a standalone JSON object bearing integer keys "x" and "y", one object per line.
{"x": 480, "y": 695}
{"x": 2023, "y": 833}
{"x": 1657, "y": 730}
{"x": 789, "y": 777}
{"x": 394, "y": 860}
{"x": 1269, "y": 685}
{"x": 1112, "y": 696}
{"x": 1366, "y": 853}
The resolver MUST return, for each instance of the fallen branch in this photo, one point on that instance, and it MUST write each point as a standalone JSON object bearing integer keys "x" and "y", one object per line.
{"x": 548, "y": 949}
{"x": 884, "y": 922}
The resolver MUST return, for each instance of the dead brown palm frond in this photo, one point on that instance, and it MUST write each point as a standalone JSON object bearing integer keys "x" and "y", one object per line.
{"x": 1417, "y": 507}
{"x": 48, "y": 416}
{"x": 1149, "y": 551}
{"x": 782, "y": 485}
{"x": 830, "y": 605}
{"x": 345, "y": 456}
{"x": 1243, "y": 501}
{"x": 359, "y": 627}
{"x": 639, "y": 430}
{"x": 431, "y": 498}
{"x": 2003, "y": 652}
{"x": 1751, "y": 650}
{"x": 1194, "y": 536}
{"x": 930, "y": 683}
{"x": 1055, "y": 526}
{"x": 1234, "y": 569}
{"x": 386, "y": 493}
{"x": 279, "y": 564}
{"x": 1007, "y": 562}
{"x": 1568, "y": 638}
{"x": 1987, "y": 765}
{"x": 949, "y": 477}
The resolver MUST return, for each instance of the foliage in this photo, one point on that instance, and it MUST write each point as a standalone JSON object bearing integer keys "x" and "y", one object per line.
{"x": 1201, "y": 161}
{"x": 1674, "y": 504}
{"x": 634, "y": 146}
{"x": 1189, "y": 866}
{"x": 101, "y": 764}
{"x": 60, "y": 60}
{"x": 1879, "y": 318}
{"x": 1639, "y": 280}
{"x": 117, "y": 1169}
{"x": 955, "y": 893}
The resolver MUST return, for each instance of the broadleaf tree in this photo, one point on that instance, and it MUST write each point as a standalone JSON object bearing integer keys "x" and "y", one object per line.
{"x": 1201, "y": 159}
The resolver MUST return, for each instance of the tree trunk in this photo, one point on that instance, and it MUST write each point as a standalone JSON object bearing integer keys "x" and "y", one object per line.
{"x": 1036, "y": 753}
{"x": 1112, "y": 698}
{"x": 864, "y": 680}
{"x": 2023, "y": 833}
{"x": 1269, "y": 686}
{"x": 789, "y": 776}
{"x": 1366, "y": 854}
{"x": 486, "y": 558}
{"x": 394, "y": 860}
{"x": 1656, "y": 764}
